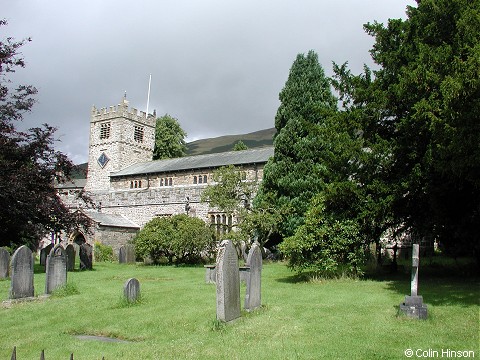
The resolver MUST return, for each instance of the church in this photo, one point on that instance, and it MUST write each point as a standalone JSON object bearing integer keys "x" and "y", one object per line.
{"x": 130, "y": 189}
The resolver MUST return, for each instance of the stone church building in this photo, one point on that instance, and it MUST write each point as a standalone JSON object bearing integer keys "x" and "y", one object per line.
{"x": 130, "y": 189}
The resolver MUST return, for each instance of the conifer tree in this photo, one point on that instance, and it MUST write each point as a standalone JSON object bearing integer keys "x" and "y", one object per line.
{"x": 295, "y": 174}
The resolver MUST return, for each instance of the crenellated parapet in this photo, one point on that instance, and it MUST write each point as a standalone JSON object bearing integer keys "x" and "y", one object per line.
{"x": 122, "y": 110}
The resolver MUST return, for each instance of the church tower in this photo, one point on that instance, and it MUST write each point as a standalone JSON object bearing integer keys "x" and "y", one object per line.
{"x": 118, "y": 138}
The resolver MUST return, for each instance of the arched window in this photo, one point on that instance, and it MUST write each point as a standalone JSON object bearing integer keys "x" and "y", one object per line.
{"x": 194, "y": 179}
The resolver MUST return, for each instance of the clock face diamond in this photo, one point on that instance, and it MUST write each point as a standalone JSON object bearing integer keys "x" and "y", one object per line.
{"x": 103, "y": 160}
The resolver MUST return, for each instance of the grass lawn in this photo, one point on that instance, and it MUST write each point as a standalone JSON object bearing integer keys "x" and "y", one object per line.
{"x": 336, "y": 319}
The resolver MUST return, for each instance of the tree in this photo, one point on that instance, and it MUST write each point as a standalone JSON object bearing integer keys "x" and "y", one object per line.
{"x": 240, "y": 145}
{"x": 295, "y": 173}
{"x": 421, "y": 108}
{"x": 169, "y": 139}
{"x": 29, "y": 165}
{"x": 180, "y": 239}
{"x": 231, "y": 192}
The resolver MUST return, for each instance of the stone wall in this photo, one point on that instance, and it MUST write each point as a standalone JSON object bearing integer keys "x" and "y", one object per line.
{"x": 113, "y": 236}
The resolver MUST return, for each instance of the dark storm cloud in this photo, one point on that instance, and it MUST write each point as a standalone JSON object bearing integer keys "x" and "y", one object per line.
{"x": 217, "y": 66}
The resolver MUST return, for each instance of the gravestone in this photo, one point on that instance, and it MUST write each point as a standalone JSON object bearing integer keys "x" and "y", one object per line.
{"x": 4, "y": 263}
{"x": 228, "y": 283}
{"x": 126, "y": 254}
{"x": 76, "y": 247}
{"x": 21, "y": 273}
{"x": 130, "y": 252}
{"x": 253, "y": 298}
{"x": 86, "y": 256}
{"x": 56, "y": 269}
{"x": 122, "y": 256}
{"x": 210, "y": 274}
{"x": 44, "y": 253}
{"x": 413, "y": 306}
{"x": 70, "y": 251}
{"x": 131, "y": 290}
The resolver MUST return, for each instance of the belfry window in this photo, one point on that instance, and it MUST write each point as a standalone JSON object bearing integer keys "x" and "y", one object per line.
{"x": 138, "y": 134}
{"x": 104, "y": 131}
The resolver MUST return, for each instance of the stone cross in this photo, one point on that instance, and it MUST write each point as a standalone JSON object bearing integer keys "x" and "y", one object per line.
{"x": 4, "y": 263}
{"x": 228, "y": 283}
{"x": 413, "y": 306}
{"x": 56, "y": 269}
{"x": 131, "y": 290}
{"x": 253, "y": 298}
{"x": 415, "y": 264}
{"x": 21, "y": 273}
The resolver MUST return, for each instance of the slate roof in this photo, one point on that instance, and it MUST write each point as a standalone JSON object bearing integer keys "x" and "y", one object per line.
{"x": 251, "y": 156}
{"x": 111, "y": 220}
{"x": 74, "y": 184}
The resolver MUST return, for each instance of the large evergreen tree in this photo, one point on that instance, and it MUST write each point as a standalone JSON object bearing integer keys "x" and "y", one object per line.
{"x": 29, "y": 165}
{"x": 421, "y": 109}
{"x": 296, "y": 173}
{"x": 169, "y": 139}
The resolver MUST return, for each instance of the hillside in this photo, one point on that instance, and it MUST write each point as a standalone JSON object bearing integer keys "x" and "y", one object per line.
{"x": 255, "y": 139}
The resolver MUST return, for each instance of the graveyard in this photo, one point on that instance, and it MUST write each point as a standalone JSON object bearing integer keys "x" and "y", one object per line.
{"x": 176, "y": 315}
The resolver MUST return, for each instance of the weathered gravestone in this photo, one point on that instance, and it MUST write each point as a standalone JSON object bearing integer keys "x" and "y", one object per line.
{"x": 131, "y": 290}
{"x": 86, "y": 256}
{"x": 210, "y": 274}
{"x": 413, "y": 306}
{"x": 76, "y": 247}
{"x": 21, "y": 273}
{"x": 4, "y": 263}
{"x": 70, "y": 251}
{"x": 253, "y": 298}
{"x": 126, "y": 254}
{"x": 44, "y": 253}
{"x": 228, "y": 283}
{"x": 56, "y": 269}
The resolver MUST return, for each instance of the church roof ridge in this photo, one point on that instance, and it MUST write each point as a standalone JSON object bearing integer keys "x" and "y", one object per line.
{"x": 250, "y": 156}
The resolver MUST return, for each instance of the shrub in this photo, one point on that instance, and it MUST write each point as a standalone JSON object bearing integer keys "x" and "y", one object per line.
{"x": 103, "y": 252}
{"x": 180, "y": 239}
{"x": 325, "y": 246}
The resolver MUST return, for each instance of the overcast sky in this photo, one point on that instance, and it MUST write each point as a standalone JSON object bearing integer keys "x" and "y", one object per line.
{"x": 217, "y": 65}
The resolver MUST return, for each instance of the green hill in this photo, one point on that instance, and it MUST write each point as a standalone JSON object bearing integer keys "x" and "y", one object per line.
{"x": 255, "y": 139}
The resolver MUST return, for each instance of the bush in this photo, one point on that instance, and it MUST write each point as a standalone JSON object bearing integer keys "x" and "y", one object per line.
{"x": 103, "y": 252}
{"x": 324, "y": 246}
{"x": 180, "y": 239}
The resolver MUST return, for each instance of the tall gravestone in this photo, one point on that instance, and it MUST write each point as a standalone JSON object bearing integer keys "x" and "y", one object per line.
{"x": 413, "y": 305}
{"x": 228, "y": 283}
{"x": 21, "y": 273}
{"x": 56, "y": 269}
{"x": 4, "y": 263}
{"x": 253, "y": 297}
{"x": 44, "y": 253}
{"x": 70, "y": 251}
{"x": 126, "y": 254}
{"x": 122, "y": 256}
{"x": 86, "y": 257}
{"x": 131, "y": 290}
{"x": 130, "y": 252}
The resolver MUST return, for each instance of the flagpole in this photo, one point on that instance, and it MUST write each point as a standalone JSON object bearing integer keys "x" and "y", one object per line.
{"x": 148, "y": 96}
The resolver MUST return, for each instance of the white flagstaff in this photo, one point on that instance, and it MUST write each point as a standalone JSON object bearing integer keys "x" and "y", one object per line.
{"x": 148, "y": 96}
